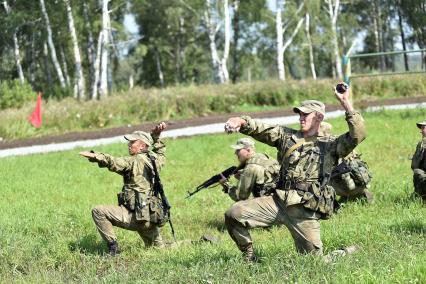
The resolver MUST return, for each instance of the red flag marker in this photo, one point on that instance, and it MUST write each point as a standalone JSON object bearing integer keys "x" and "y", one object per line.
{"x": 35, "y": 117}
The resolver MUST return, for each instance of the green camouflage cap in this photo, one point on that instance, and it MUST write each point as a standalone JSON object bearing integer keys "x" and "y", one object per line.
{"x": 243, "y": 143}
{"x": 420, "y": 124}
{"x": 310, "y": 106}
{"x": 140, "y": 135}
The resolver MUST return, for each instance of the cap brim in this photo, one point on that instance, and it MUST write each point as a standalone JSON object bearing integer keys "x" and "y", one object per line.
{"x": 130, "y": 137}
{"x": 237, "y": 147}
{"x": 302, "y": 109}
{"x": 419, "y": 125}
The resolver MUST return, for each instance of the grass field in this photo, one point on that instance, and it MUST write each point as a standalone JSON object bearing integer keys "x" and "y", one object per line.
{"x": 47, "y": 235}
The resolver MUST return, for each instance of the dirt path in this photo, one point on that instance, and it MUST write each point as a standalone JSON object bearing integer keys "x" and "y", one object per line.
{"x": 179, "y": 124}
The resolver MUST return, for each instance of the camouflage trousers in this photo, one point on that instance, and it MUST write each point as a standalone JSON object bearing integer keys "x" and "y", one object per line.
{"x": 108, "y": 216}
{"x": 267, "y": 211}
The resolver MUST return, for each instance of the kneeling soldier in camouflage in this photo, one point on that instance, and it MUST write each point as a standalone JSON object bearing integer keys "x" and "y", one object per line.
{"x": 139, "y": 209}
{"x": 418, "y": 164}
{"x": 354, "y": 184}
{"x": 302, "y": 196}
{"x": 258, "y": 172}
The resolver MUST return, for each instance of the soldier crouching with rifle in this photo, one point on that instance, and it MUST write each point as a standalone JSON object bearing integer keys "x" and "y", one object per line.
{"x": 303, "y": 196}
{"x": 257, "y": 174}
{"x": 140, "y": 207}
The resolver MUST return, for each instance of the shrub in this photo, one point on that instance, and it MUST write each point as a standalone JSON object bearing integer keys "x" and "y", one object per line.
{"x": 13, "y": 94}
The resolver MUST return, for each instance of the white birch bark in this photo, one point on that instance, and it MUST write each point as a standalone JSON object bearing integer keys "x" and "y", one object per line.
{"x": 79, "y": 78}
{"x": 96, "y": 68}
{"x": 333, "y": 12}
{"x": 52, "y": 46}
{"x": 311, "y": 49}
{"x": 280, "y": 29}
{"x": 103, "y": 87}
{"x": 15, "y": 48}
{"x": 224, "y": 61}
{"x": 64, "y": 64}
{"x": 220, "y": 69}
{"x": 158, "y": 64}
{"x": 280, "y": 34}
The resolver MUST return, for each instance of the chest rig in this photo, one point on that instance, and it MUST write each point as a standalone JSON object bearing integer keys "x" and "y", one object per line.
{"x": 306, "y": 167}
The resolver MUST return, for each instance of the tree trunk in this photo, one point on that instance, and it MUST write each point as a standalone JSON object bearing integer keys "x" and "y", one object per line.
{"x": 379, "y": 31}
{"x": 401, "y": 30}
{"x": 211, "y": 28}
{"x": 64, "y": 64}
{"x": 52, "y": 46}
{"x": 46, "y": 65}
{"x": 103, "y": 88}
{"x": 227, "y": 43}
{"x": 290, "y": 40}
{"x": 96, "y": 68}
{"x": 235, "y": 73}
{"x": 333, "y": 11}
{"x": 158, "y": 64}
{"x": 33, "y": 60}
{"x": 311, "y": 49}
{"x": 15, "y": 48}
{"x": 279, "y": 30}
{"x": 79, "y": 78}
{"x": 90, "y": 42}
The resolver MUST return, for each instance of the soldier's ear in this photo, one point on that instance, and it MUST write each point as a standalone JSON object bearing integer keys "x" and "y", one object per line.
{"x": 320, "y": 117}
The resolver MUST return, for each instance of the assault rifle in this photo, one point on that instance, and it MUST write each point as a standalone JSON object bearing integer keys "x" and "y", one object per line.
{"x": 214, "y": 179}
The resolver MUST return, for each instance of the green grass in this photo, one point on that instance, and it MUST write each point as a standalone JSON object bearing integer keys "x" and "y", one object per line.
{"x": 47, "y": 235}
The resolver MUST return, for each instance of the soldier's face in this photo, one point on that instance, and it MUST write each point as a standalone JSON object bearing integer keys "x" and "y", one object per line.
{"x": 423, "y": 131}
{"x": 309, "y": 121}
{"x": 243, "y": 154}
{"x": 135, "y": 147}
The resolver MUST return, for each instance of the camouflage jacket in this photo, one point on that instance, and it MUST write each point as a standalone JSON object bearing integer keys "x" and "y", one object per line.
{"x": 136, "y": 170}
{"x": 418, "y": 162}
{"x": 258, "y": 177}
{"x": 302, "y": 159}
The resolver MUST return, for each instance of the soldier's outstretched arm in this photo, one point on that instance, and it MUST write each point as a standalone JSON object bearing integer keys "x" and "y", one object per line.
{"x": 118, "y": 165}
{"x": 357, "y": 133}
{"x": 159, "y": 147}
{"x": 263, "y": 132}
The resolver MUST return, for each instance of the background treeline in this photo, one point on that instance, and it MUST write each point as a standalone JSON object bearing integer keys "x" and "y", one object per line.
{"x": 82, "y": 48}
{"x": 132, "y": 107}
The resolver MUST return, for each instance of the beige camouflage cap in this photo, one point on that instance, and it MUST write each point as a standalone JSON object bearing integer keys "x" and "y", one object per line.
{"x": 325, "y": 129}
{"x": 243, "y": 143}
{"x": 140, "y": 135}
{"x": 310, "y": 106}
{"x": 420, "y": 124}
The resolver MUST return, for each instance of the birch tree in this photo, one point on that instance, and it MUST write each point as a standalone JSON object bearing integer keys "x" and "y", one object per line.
{"x": 103, "y": 86}
{"x": 15, "y": 47}
{"x": 52, "y": 46}
{"x": 220, "y": 69}
{"x": 281, "y": 28}
{"x": 79, "y": 84}
{"x": 333, "y": 7}
{"x": 310, "y": 47}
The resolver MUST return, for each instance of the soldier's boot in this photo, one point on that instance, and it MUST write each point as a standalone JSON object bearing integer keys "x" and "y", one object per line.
{"x": 113, "y": 248}
{"x": 369, "y": 196}
{"x": 248, "y": 253}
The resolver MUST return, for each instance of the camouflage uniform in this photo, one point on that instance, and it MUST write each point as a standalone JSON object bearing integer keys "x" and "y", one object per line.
{"x": 354, "y": 184}
{"x": 258, "y": 177}
{"x": 137, "y": 203}
{"x": 418, "y": 165}
{"x": 300, "y": 201}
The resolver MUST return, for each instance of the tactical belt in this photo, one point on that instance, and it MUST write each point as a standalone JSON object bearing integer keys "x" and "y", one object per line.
{"x": 302, "y": 186}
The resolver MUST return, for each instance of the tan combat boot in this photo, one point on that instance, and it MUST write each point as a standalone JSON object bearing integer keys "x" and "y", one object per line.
{"x": 248, "y": 253}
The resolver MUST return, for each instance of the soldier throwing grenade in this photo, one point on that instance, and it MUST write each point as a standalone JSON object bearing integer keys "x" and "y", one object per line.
{"x": 302, "y": 197}
{"x": 138, "y": 208}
